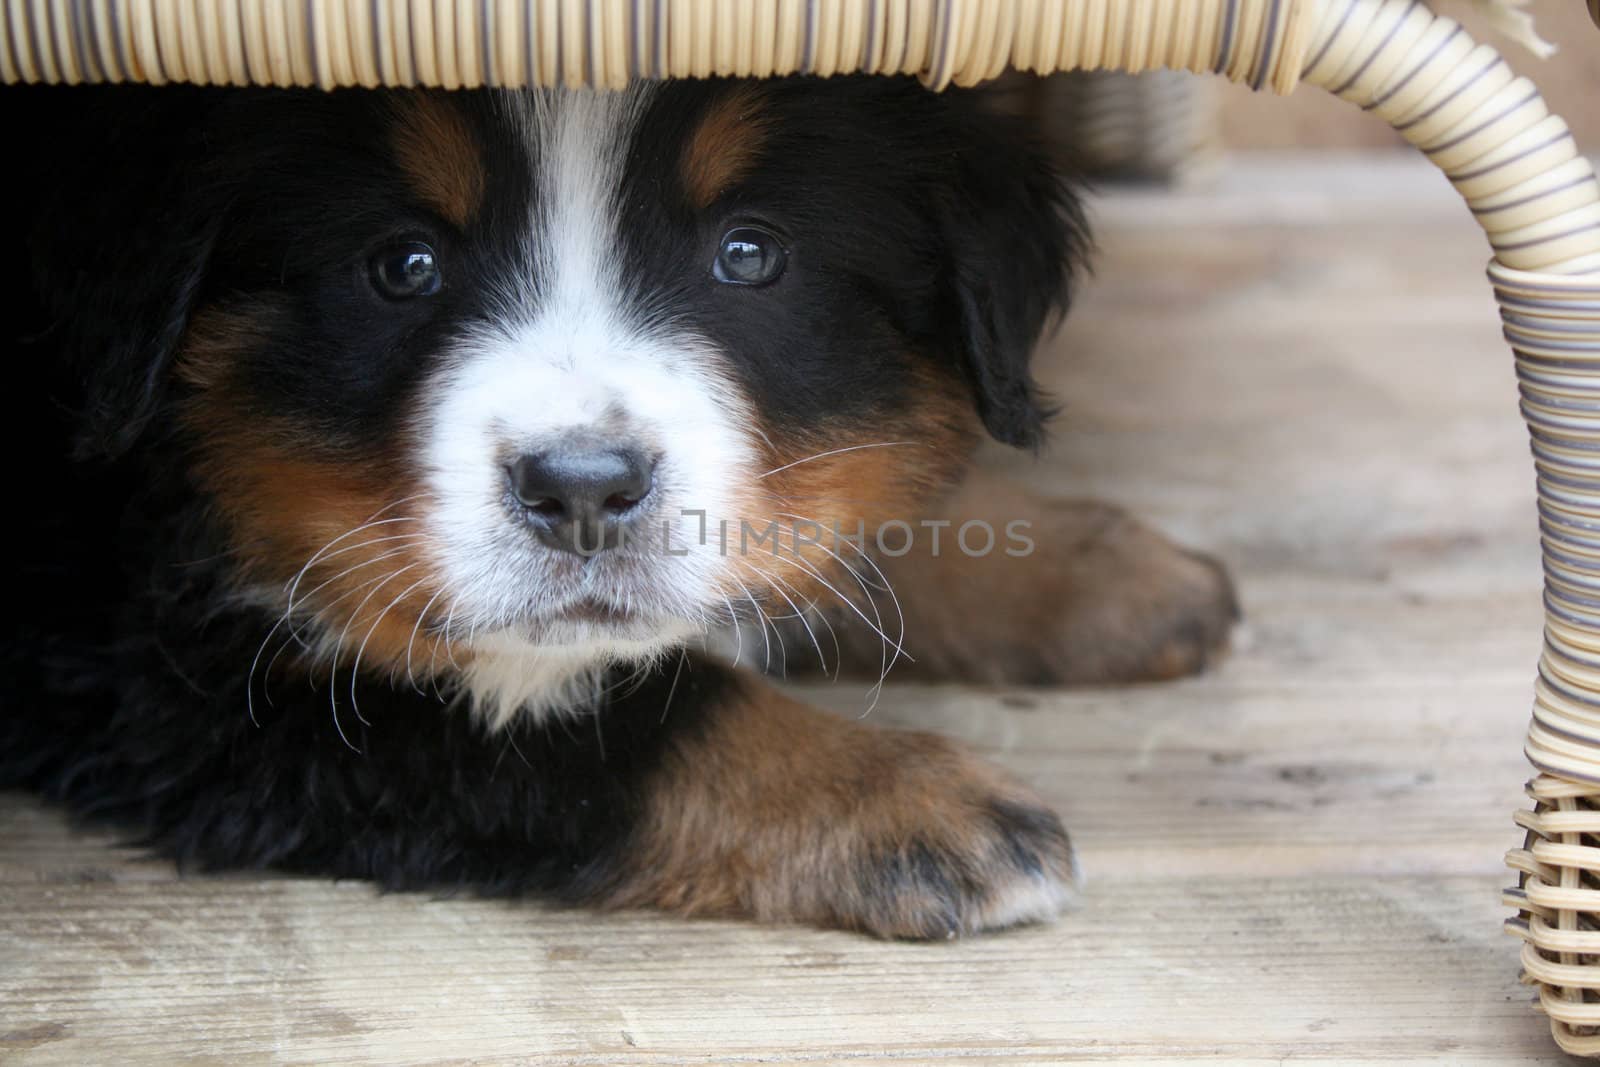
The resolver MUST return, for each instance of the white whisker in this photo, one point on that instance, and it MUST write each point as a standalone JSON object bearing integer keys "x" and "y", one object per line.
{"x": 294, "y": 582}
{"x": 355, "y": 668}
{"x": 249, "y": 679}
{"x": 333, "y": 673}
{"x": 771, "y": 580}
{"x": 899, "y": 643}
{"x": 411, "y": 677}
{"x": 338, "y": 644}
{"x": 738, "y": 631}
{"x": 358, "y": 546}
{"x": 810, "y": 569}
{"x": 833, "y": 452}
{"x": 379, "y": 558}
{"x": 683, "y": 657}
{"x": 762, "y": 621}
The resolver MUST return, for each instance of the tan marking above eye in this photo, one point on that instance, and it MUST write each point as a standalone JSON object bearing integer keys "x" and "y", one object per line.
{"x": 441, "y": 158}
{"x": 724, "y": 146}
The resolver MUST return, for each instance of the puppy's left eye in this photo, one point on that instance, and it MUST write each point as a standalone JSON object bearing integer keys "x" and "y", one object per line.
{"x": 749, "y": 256}
{"x": 406, "y": 270}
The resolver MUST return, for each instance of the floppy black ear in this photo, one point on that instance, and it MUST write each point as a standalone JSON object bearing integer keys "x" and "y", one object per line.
{"x": 119, "y": 242}
{"x": 1016, "y": 236}
{"x": 119, "y": 330}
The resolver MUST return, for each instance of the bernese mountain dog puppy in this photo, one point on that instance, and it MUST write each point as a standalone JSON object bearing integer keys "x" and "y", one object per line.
{"x": 417, "y": 477}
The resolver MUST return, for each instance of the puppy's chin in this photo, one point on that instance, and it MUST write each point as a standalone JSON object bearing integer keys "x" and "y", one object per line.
{"x": 600, "y": 628}
{"x": 558, "y": 665}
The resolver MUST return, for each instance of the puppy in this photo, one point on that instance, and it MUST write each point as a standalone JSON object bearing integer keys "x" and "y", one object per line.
{"x": 402, "y": 455}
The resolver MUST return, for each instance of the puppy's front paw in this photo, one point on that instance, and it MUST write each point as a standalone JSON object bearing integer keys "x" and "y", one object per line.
{"x": 1094, "y": 597}
{"x": 786, "y": 814}
{"x": 1128, "y": 604}
{"x": 1002, "y": 863}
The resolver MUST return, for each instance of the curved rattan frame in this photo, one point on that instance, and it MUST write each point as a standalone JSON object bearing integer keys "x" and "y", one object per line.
{"x": 1513, "y": 162}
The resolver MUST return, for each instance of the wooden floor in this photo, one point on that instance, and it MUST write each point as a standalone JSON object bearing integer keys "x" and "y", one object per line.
{"x": 1297, "y": 857}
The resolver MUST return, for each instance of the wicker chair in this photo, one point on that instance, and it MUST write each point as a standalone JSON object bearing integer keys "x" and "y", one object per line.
{"x": 1514, "y": 163}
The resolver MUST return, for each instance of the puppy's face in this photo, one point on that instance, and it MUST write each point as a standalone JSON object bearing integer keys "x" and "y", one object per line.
{"x": 505, "y": 386}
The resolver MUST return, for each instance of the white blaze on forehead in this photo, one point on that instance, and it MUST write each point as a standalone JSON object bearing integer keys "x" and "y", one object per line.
{"x": 579, "y": 141}
{"x": 565, "y": 349}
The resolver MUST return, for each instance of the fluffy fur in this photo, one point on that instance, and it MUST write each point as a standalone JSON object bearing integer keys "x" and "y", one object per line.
{"x": 281, "y": 605}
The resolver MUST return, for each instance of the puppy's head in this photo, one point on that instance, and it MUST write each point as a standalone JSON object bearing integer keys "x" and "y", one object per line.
{"x": 503, "y": 386}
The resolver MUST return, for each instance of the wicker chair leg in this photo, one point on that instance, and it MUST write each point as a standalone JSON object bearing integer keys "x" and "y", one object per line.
{"x": 1553, "y": 324}
{"x": 1536, "y": 198}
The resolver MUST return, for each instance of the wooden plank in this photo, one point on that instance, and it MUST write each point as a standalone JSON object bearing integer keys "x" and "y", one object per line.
{"x": 1244, "y": 967}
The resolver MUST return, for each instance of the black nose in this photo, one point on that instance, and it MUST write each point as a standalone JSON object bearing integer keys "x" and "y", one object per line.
{"x": 581, "y": 500}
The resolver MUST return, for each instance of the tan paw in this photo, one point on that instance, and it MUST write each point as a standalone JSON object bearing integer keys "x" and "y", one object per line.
{"x": 1118, "y": 602}
{"x": 781, "y": 813}
{"x": 1101, "y": 597}
{"x": 1004, "y": 864}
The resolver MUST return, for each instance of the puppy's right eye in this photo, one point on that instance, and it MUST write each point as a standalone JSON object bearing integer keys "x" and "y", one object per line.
{"x": 407, "y": 270}
{"x": 749, "y": 256}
